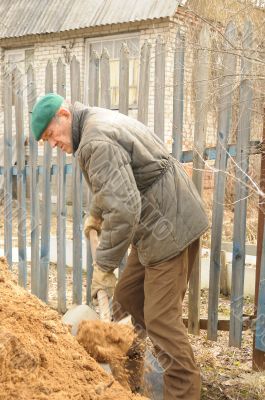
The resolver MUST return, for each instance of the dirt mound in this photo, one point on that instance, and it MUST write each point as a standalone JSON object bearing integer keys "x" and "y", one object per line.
{"x": 39, "y": 358}
{"x": 108, "y": 343}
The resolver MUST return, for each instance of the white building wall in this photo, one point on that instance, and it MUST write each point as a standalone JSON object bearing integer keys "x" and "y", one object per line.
{"x": 51, "y": 48}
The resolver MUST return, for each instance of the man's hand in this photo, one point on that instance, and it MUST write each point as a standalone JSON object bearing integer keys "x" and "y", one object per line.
{"x": 102, "y": 280}
{"x": 92, "y": 223}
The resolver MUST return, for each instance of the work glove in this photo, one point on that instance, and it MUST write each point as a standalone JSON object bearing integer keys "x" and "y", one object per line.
{"x": 92, "y": 223}
{"x": 102, "y": 280}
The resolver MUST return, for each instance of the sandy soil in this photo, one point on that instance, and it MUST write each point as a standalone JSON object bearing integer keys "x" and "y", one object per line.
{"x": 39, "y": 358}
{"x": 108, "y": 343}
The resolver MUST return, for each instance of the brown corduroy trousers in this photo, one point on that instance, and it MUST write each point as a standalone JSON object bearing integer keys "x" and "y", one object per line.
{"x": 153, "y": 296}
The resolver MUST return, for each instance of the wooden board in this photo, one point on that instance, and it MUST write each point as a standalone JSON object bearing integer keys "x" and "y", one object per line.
{"x": 178, "y": 96}
{"x": 61, "y": 205}
{"x": 8, "y": 166}
{"x": 77, "y": 195}
{"x": 105, "y": 98}
{"x": 260, "y": 322}
{"x": 46, "y": 203}
{"x": 159, "y": 101}
{"x": 34, "y": 188}
{"x": 93, "y": 101}
{"x": 241, "y": 192}
{"x": 124, "y": 80}
{"x": 224, "y": 124}
{"x": 93, "y": 91}
{"x": 21, "y": 178}
{"x": 201, "y": 109}
{"x": 144, "y": 83}
{"x": 259, "y": 355}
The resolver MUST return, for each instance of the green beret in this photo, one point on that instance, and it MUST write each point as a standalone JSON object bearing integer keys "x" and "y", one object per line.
{"x": 43, "y": 112}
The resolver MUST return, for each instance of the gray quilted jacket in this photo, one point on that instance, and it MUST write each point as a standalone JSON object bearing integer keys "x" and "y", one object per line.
{"x": 143, "y": 194}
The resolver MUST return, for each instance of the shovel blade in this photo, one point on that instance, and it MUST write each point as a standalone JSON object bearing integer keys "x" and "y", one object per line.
{"x": 79, "y": 313}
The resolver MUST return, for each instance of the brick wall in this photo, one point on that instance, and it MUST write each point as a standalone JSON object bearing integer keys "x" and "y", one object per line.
{"x": 53, "y": 46}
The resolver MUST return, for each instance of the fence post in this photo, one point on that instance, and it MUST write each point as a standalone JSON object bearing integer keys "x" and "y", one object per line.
{"x": 201, "y": 108}
{"x": 242, "y": 163}
{"x": 46, "y": 203}
{"x": 144, "y": 83}
{"x": 61, "y": 205}
{"x": 159, "y": 105}
{"x": 93, "y": 101}
{"x": 89, "y": 258}
{"x": 8, "y": 170}
{"x": 105, "y": 100}
{"x": 77, "y": 195}
{"x": 21, "y": 180}
{"x": 124, "y": 80}
{"x": 224, "y": 124}
{"x": 34, "y": 188}
{"x": 258, "y": 361}
{"x": 93, "y": 79}
{"x": 260, "y": 324}
{"x": 178, "y": 96}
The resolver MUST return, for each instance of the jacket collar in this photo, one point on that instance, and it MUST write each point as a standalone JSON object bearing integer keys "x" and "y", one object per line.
{"x": 79, "y": 113}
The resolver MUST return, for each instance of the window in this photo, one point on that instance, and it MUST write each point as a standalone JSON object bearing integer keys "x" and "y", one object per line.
{"x": 113, "y": 45}
{"x": 21, "y": 59}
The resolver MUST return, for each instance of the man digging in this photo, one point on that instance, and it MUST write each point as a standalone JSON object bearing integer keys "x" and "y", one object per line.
{"x": 142, "y": 198}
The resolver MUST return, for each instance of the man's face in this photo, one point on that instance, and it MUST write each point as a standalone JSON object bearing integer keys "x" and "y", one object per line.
{"x": 59, "y": 131}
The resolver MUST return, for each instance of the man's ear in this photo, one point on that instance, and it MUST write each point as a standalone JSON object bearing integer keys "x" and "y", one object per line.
{"x": 63, "y": 112}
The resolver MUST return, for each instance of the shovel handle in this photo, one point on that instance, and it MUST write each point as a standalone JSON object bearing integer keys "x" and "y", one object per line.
{"x": 103, "y": 304}
{"x": 93, "y": 238}
{"x": 103, "y": 301}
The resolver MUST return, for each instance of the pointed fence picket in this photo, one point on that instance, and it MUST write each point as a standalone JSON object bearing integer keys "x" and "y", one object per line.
{"x": 94, "y": 79}
{"x": 61, "y": 204}
{"x": 241, "y": 194}
{"x": 8, "y": 169}
{"x": 201, "y": 105}
{"x": 144, "y": 83}
{"x": 124, "y": 80}
{"x": 34, "y": 189}
{"x": 94, "y": 70}
{"x": 77, "y": 195}
{"x": 224, "y": 125}
{"x": 105, "y": 99}
{"x": 259, "y": 335}
{"x": 178, "y": 96}
{"x": 159, "y": 105}
{"x": 46, "y": 203}
{"x": 21, "y": 178}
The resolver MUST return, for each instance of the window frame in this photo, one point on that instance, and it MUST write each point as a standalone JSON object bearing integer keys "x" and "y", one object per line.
{"x": 111, "y": 38}
{"x": 21, "y": 51}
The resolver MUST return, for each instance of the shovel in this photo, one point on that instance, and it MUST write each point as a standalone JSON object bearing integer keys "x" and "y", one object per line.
{"x": 153, "y": 375}
{"x": 82, "y": 312}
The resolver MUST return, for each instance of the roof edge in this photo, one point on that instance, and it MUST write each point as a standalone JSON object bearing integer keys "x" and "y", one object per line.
{"x": 30, "y": 39}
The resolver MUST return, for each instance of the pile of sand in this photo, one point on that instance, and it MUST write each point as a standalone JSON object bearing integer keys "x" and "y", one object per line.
{"x": 39, "y": 358}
